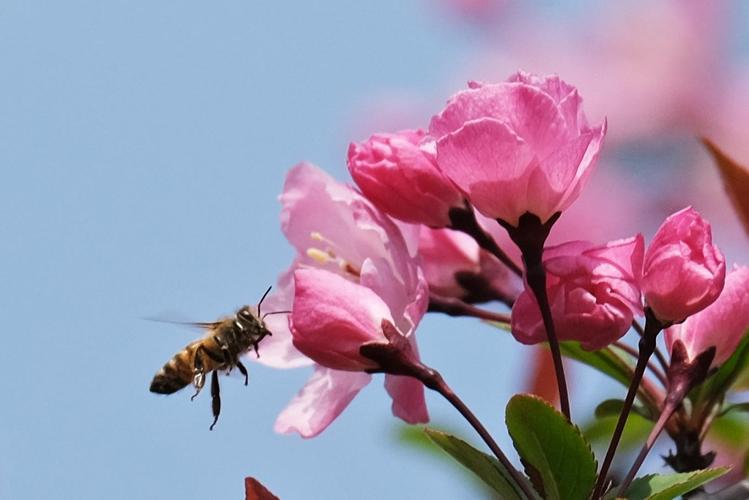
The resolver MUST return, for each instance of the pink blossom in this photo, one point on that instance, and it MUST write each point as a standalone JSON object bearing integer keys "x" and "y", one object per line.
{"x": 721, "y": 324}
{"x": 451, "y": 258}
{"x": 335, "y": 229}
{"x": 333, "y": 317}
{"x": 593, "y": 293}
{"x": 523, "y": 145}
{"x": 683, "y": 271}
{"x": 645, "y": 65}
{"x": 401, "y": 178}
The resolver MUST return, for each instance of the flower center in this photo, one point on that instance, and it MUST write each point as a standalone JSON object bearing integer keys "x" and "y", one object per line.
{"x": 328, "y": 256}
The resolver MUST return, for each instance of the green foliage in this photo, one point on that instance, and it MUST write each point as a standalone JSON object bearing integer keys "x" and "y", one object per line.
{"x": 718, "y": 383}
{"x": 486, "y": 467}
{"x": 738, "y": 407}
{"x": 636, "y": 430}
{"x": 604, "y": 360}
{"x": 557, "y": 458}
{"x": 668, "y": 486}
{"x": 613, "y": 407}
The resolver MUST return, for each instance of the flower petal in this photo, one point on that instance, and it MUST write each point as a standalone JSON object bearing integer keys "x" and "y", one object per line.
{"x": 326, "y": 394}
{"x": 333, "y": 317}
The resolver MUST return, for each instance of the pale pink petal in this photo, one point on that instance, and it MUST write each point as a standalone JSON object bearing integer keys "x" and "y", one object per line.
{"x": 408, "y": 399}
{"x": 721, "y": 324}
{"x": 326, "y": 394}
{"x": 444, "y": 253}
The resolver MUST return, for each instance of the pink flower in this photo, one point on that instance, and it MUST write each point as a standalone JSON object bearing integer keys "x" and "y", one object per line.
{"x": 523, "y": 145}
{"x": 722, "y": 324}
{"x": 452, "y": 261}
{"x": 593, "y": 293}
{"x": 401, "y": 178}
{"x": 684, "y": 272}
{"x": 335, "y": 229}
{"x": 333, "y": 317}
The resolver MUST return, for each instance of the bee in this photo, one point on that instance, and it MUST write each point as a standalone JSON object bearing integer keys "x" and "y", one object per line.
{"x": 218, "y": 350}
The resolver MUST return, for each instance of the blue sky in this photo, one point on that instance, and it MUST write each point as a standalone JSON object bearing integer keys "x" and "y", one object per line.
{"x": 143, "y": 145}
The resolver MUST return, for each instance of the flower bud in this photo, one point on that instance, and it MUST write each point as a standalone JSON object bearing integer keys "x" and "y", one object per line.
{"x": 519, "y": 146}
{"x": 401, "y": 178}
{"x": 332, "y": 318}
{"x": 683, "y": 272}
{"x": 593, "y": 293}
{"x": 722, "y": 324}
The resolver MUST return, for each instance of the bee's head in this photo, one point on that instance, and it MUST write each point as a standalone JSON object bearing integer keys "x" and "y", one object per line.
{"x": 247, "y": 317}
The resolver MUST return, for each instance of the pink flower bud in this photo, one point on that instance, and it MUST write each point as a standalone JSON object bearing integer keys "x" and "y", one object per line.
{"x": 684, "y": 272}
{"x": 333, "y": 317}
{"x": 593, "y": 293}
{"x": 523, "y": 145}
{"x": 722, "y": 324}
{"x": 401, "y": 178}
{"x": 452, "y": 261}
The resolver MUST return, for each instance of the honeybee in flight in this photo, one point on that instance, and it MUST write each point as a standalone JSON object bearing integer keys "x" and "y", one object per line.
{"x": 218, "y": 350}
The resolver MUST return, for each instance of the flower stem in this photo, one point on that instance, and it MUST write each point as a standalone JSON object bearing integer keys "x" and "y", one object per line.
{"x": 397, "y": 357}
{"x": 666, "y": 413}
{"x": 530, "y": 235}
{"x": 456, "y": 307}
{"x": 647, "y": 347}
{"x": 658, "y": 354}
{"x": 536, "y": 277}
{"x": 659, "y": 375}
{"x": 683, "y": 375}
{"x": 464, "y": 220}
{"x": 433, "y": 380}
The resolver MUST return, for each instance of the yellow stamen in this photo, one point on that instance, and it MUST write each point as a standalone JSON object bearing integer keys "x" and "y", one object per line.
{"x": 318, "y": 255}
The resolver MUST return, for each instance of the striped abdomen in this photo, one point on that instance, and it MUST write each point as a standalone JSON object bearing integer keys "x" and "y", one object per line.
{"x": 178, "y": 372}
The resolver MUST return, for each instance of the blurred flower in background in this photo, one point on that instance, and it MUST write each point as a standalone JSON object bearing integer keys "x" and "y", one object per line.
{"x": 663, "y": 73}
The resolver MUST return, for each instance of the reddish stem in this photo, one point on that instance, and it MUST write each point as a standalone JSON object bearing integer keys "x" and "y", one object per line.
{"x": 456, "y": 307}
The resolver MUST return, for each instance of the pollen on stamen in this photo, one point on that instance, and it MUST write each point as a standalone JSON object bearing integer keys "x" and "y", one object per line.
{"x": 318, "y": 255}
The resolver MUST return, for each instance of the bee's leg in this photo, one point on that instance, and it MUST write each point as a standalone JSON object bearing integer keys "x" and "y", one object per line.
{"x": 215, "y": 398}
{"x": 254, "y": 346}
{"x": 198, "y": 378}
{"x": 227, "y": 358}
{"x": 243, "y": 371}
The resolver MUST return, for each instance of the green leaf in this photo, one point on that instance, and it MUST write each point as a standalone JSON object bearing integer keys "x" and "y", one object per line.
{"x": 604, "y": 360}
{"x": 718, "y": 384}
{"x": 668, "y": 486}
{"x": 613, "y": 407}
{"x": 731, "y": 431}
{"x": 556, "y": 456}
{"x": 609, "y": 362}
{"x": 741, "y": 407}
{"x": 636, "y": 430}
{"x": 487, "y": 468}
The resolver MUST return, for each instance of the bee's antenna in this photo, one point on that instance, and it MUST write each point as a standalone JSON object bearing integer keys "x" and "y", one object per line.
{"x": 274, "y": 312}
{"x": 263, "y": 298}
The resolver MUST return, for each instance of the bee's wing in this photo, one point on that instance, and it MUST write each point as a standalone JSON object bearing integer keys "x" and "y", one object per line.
{"x": 196, "y": 324}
